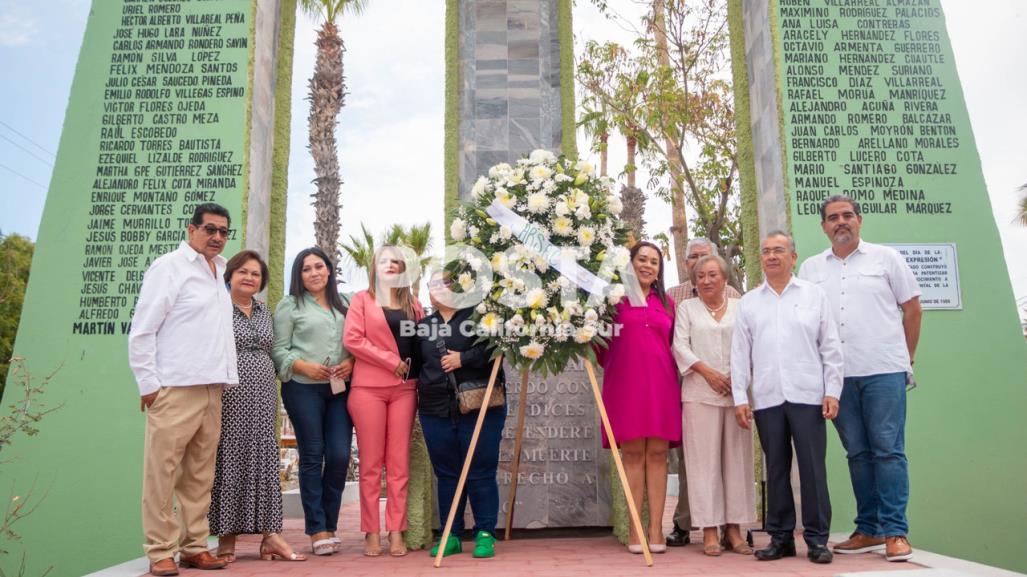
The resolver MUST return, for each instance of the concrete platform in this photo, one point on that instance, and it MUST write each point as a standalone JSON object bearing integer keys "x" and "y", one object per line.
{"x": 560, "y": 557}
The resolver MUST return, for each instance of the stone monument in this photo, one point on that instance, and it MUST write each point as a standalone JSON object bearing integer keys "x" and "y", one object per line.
{"x": 509, "y": 92}
{"x": 159, "y": 120}
{"x": 862, "y": 98}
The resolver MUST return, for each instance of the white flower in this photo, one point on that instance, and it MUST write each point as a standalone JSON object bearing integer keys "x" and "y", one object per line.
{"x": 514, "y": 324}
{"x": 466, "y": 281}
{"x": 563, "y": 226}
{"x": 540, "y": 156}
{"x": 620, "y": 255}
{"x": 505, "y": 198}
{"x": 532, "y": 350}
{"x": 500, "y": 170}
{"x": 505, "y": 233}
{"x": 615, "y": 204}
{"x": 561, "y": 208}
{"x": 616, "y": 294}
{"x": 499, "y": 262}
{"x": 583, "y": 212}
{"x": 538, "y": 202}
{"x": 540, "y": 173}
{"x": 516, "y": 177}
{"x": 591, "y": 316}
{"x": 536, "y": 298}
{"x": 481, "y": 308}
{"x": 584, "y": 334}
{"x": 563, "y": 178}
{"x": 586, "y": 235}
{"x": 491, "y": 323}
{"x": 458, "y": 229}
{"x": 540, "y": 264}
{"x": 479, "y": 188}
{"x": 584, "y": 167}
{"x": 473, "y": 231}
{"x": 475, "y": 262}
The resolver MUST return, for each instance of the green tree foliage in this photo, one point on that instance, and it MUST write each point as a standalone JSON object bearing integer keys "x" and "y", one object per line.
{"x": 15, "y": 260}
{"x": 679, "y": 104}
{"x": 359, "y": 250}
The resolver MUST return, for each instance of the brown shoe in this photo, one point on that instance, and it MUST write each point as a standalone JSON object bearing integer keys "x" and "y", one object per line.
{"x": 202, "y": 561}
{"x": 164, "y": 567}
{"x": 897, "y": 549}
{"x": 859, "y": 543}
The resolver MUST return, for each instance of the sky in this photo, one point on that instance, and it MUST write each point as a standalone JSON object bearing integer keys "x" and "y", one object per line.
{"x": 391, "y": 129}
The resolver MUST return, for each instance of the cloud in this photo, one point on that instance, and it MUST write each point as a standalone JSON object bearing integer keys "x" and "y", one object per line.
{"x": 15, "y": 30}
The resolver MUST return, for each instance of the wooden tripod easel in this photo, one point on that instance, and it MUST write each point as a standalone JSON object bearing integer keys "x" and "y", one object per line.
{"x": 632, "y": 510}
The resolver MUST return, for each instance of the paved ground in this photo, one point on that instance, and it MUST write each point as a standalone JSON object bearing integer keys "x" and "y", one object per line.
{"x": 559, "y": 557}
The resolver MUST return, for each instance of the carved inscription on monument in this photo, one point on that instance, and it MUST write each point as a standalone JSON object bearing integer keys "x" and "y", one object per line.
{"x": 564, "y": 475}
{"x": 169, "y": 139}
{"x": 869, "y": 93}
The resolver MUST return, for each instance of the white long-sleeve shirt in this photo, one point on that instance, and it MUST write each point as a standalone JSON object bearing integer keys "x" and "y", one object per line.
{"x": 182, "y": 327}
{"x": 787, "y": 346}
{"x": 867, "y": 290}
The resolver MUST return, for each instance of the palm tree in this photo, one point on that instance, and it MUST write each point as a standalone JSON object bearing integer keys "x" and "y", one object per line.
{"x": 419, "y": 239}
{"x": 327, "y": 93}
{"x": 359, "y": 250}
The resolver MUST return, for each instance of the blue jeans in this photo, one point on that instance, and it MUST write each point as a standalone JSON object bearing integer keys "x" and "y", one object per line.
{"x": 324, "y": 433}
{"x": 447, "y": 443}
{"x": 871, "y": 423}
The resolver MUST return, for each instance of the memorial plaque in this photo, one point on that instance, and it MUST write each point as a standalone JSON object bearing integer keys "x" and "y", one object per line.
{"x": 564, "y": 470}
{"x": 870, "y": 110}
{"x": 936, "y": 270}
{"x": 156, "y": 124}
{"x": 862, "y": 97}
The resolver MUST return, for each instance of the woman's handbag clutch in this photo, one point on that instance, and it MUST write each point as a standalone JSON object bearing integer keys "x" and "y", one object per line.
{"x": 470, "y": 395}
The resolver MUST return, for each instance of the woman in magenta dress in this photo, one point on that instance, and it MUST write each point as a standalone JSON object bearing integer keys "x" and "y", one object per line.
{"x": 641, "y": 391}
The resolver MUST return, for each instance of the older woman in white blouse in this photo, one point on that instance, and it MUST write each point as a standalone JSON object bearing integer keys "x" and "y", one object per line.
{"x": 718, "y": 453}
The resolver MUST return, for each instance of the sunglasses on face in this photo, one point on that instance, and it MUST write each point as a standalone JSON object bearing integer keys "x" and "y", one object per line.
{"x": 212, "y": 230}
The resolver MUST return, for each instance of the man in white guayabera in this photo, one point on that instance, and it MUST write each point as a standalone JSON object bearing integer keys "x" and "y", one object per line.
{"x": 876, "y": 300}
{"x": 182, "y": 351}
{"x": 786, "y": 343}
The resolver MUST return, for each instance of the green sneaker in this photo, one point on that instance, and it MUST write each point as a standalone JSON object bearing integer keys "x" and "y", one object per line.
{"x": 453, "y": 547}
{"x": 484, "y": 545}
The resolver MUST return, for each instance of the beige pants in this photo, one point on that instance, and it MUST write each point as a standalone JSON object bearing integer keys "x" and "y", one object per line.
{"x": 182, "y": 429}
{"x": 718, "y": 459}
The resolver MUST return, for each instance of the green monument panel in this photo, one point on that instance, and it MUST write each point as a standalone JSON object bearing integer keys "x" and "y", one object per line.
{"x": 156, "y": 124}
{"x": 862, "y": 97}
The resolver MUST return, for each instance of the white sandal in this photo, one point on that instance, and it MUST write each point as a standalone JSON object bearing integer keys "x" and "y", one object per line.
{"x": 323, "y": 547}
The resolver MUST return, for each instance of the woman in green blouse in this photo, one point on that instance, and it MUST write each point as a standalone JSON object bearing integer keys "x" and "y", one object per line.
{"x": 307, "y": 353}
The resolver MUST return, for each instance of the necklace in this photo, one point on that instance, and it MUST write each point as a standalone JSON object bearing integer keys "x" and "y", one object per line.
{"x": 713, "y": 312}
{"x": 246, "y": 307}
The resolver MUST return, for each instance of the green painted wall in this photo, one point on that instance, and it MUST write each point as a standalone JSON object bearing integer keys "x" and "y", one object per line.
{"x": 86, "y": 460}
{"x": 964, "y": 429}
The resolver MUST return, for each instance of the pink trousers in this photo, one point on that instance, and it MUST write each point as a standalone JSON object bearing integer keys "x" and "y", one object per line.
{"x": 384, "y": 420}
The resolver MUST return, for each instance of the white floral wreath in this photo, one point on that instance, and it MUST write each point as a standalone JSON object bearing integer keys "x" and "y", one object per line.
{"x": 549, "y": 229}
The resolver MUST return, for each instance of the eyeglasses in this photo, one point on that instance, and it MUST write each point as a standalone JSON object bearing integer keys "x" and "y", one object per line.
{"x": 776, "y": 251}
{"x": 439, "y": 282}
{"x": 212, "y": 230}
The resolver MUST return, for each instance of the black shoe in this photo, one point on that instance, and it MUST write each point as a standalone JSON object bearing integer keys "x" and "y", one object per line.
{"x": 819, "y": 554}
{"x": 776, "y": 550}
{"x": 678, "y": 537}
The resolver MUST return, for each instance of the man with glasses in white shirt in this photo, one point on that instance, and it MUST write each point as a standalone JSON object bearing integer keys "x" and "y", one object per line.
{"x": 182, "y": 351}
{"x": 876, "y": 300}
{"x": 786, "y": 343}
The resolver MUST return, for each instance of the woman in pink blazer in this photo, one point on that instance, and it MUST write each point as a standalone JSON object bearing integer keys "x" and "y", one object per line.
{"x": 383, "y": 398}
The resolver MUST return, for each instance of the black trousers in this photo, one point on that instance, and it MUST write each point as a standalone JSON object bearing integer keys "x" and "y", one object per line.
{"x": 804, "y": 425}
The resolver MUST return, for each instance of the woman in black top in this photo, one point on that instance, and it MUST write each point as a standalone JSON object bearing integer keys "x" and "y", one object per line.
{"x": 449, "y": 356}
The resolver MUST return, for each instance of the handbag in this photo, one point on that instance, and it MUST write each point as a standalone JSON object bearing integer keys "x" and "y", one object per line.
{"x": 470, "y": 395}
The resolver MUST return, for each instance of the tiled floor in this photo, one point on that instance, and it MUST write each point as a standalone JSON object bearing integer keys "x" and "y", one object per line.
{"x": 558, "y": 557}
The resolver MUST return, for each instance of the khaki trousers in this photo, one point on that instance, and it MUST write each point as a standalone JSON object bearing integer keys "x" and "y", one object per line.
{"x": 719, "y": 461}
{"x": 182, "y": 429}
